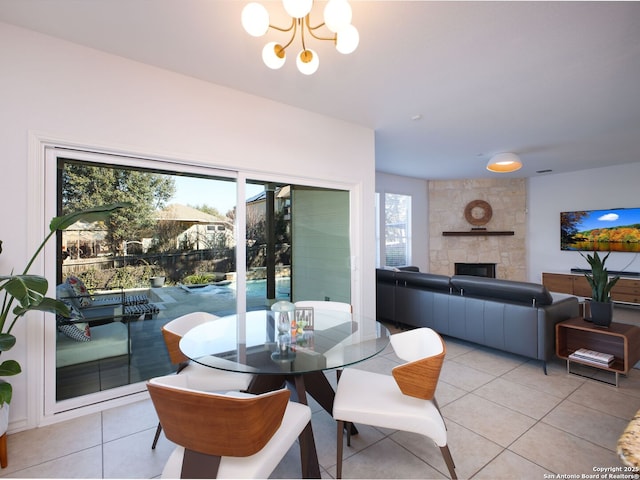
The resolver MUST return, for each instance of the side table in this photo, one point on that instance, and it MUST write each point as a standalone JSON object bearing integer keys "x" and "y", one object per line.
{"x": 619, "y": 339}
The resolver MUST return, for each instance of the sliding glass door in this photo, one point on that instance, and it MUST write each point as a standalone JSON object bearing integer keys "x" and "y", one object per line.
{"x": 175, "y": 251}
{"x": 171, "y": 253}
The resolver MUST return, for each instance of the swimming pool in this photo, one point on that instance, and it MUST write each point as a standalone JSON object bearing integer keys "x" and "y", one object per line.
{"x": 258, "y": 288}
{"x": 255, "y": 289}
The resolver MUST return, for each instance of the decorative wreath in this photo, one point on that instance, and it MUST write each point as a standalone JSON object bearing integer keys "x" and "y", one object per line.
{"x": 472, "y": 209}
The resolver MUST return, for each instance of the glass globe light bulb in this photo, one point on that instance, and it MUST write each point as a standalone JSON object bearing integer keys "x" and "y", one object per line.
{"x": 297, "y": 8}
{"x": 273, "y": 55}
{"x": 308, "y": 61}
{"x": 347, "y": 39}
{"x": 337, "y": 15}
{"x": 255, "y": 19}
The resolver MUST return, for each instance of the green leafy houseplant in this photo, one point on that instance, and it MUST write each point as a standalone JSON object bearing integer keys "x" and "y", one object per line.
{"x": 599, "y": 280}
{"x": 29, "y": 292}
{"x": 600, "y": 306}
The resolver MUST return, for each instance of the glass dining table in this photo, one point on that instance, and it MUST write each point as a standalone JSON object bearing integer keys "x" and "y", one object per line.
{"x": 251, "y": 343}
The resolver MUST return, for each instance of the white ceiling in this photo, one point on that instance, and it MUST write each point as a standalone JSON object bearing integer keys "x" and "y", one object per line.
{"x": 556, "y": 82}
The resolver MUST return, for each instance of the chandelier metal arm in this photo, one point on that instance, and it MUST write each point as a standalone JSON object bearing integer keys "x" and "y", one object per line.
{"x": 281, "y": 29}
{"x": 311, "y": 30}
{"x": 300, "y": 20}
{"x": 294, "y": 26}
{"x": 309, "y": 23}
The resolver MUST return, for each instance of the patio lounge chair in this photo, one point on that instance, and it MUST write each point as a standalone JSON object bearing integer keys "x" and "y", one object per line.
{"x": 101, "y": 308}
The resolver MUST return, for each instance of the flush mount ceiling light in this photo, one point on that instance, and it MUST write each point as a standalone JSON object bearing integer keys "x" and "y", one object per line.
{"x": 337, "y": 20}
{"x": 504, "y": 163}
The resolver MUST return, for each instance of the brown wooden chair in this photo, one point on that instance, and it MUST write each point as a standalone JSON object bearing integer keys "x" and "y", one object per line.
{"x": 211, "y": 379}
{"x": 233, "y": 435}
{"x": 389, "y": 401}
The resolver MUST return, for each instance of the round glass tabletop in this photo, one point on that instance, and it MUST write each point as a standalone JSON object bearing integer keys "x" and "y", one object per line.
{"x": 253, "y": 343}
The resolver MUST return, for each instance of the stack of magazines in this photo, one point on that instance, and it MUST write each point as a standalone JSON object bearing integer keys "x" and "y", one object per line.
{"x": 593, "y": 357}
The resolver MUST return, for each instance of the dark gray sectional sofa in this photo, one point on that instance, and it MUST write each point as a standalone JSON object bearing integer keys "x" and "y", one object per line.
{"x": 516, "y": 317}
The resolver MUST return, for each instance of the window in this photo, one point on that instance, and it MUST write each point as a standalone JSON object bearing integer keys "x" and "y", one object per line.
{"x": 395, "y": 214}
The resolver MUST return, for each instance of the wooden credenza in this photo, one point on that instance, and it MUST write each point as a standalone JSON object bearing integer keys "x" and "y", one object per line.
{"x": 627, "y": 290}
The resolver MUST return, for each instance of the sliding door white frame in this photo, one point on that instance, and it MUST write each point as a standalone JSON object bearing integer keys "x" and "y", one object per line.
{"x": 43, "y": 151}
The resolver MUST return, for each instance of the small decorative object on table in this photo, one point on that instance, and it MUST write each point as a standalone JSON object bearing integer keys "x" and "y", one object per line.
{"x": 304, "y": 317}
{"x": 284, "y": 312}
{"x": 591, "y": 356}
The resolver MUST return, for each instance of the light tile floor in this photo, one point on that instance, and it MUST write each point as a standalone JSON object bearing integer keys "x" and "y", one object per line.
{"x": 505, "y": 420}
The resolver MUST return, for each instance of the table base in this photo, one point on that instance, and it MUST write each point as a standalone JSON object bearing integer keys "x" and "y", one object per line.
{"x": 316, "y": 385}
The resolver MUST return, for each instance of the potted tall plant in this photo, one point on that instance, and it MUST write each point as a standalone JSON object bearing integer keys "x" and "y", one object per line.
{"x": 601, "y": 284}
{"x": 29, "y": 292}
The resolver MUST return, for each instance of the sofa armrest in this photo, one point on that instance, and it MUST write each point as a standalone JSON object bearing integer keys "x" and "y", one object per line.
{"x": 548, "y": 316}
{"x": 385, "y": 276}
{"x": 409, "y": 268}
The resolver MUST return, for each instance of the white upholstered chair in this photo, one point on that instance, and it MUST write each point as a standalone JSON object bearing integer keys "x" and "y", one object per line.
{"x": 334, "y": 313}
{"x": 226, "y": 435}
{"x": 210, "y": 379}
{"x": 401, "y": 401}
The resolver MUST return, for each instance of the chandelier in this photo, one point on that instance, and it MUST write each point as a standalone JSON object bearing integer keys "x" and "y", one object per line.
{"x": 337, "y": 21}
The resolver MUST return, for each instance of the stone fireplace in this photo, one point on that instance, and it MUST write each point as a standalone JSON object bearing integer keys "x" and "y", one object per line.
{"x": 453, "y": 240}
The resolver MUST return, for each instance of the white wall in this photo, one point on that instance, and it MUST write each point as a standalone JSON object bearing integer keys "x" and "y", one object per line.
{"x": 65, "y": 91}
{"x": 601, "y": 188}
{"x": 419, "y": 191}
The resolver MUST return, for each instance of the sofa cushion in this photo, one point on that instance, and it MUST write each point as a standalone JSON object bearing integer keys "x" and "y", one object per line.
{"x": 65, "y": 293}
{"x": 72, "y": 326}
{"x": 108, "y": 340}
{"x": 509, "y": 290}
{"x": 79, "y": 332}
{"x": 80, "y": 291}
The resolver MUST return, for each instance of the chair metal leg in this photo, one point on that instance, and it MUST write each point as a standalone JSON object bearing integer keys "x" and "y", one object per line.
{"x": 156, "y": 437}
{"x": 448, "y": 459}
{"x": 339, "y": 447}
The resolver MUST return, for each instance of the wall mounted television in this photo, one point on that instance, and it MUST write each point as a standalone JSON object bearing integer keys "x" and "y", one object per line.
{"x": 614, "y": 230}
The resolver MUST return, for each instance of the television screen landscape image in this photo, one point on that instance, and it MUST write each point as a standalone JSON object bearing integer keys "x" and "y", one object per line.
{"x": 614, "y": 230}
